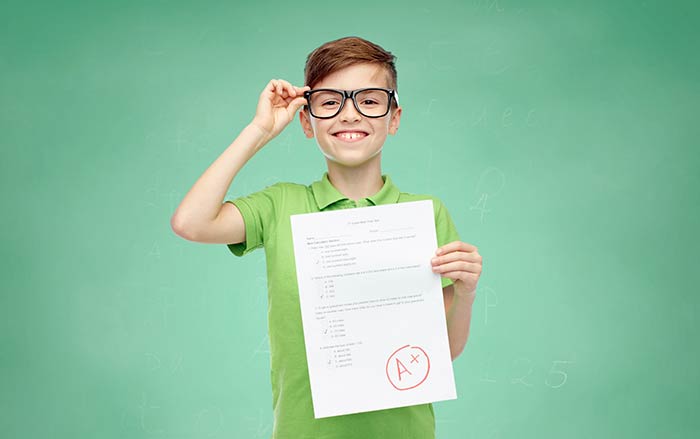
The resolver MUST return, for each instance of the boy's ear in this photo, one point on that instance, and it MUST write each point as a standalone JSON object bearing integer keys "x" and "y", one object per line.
{"x": 395, "y": 120}
{"x": 306, "y": 123}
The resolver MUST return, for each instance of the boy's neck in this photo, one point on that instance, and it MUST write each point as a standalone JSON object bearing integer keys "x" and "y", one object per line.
{"x": 356, "y": 183}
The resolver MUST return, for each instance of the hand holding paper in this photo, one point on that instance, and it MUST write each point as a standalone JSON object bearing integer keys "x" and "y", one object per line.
{"x": 460, "y": 262}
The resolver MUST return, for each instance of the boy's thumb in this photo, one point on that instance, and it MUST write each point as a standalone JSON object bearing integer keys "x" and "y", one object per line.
{"x": 298, "y": 102}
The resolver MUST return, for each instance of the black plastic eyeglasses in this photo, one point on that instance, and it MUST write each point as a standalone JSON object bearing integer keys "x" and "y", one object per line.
{"x": 326, "y": 103}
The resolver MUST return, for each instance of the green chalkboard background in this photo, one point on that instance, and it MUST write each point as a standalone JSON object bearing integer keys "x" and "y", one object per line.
{"x": 562, "y": 137}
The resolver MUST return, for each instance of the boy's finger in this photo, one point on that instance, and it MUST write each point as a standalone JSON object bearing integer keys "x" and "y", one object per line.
{"x": 292, "y": 101}
{"x": 455, "y": 245}
{"x": 298, "y": 103}
{"x": 455, "y": 256}
{"x": 269, "y": 88}
{"x": 278, "y": 87}
{"x": 290, "y": 88}
{"x": 287, "y": 86}
{"x": 295, "y": 104}
{"x": 457, "y": 266}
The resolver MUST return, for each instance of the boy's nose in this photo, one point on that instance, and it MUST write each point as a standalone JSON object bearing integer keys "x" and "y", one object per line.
{"x": 349, "y": 112}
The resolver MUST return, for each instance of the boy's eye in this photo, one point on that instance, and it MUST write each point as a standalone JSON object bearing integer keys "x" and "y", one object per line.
{"x": 372, "y": 98}
{"x": 330, "y": 103}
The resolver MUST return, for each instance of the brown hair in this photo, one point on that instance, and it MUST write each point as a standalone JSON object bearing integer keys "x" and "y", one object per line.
{"x": 345, "y": 52}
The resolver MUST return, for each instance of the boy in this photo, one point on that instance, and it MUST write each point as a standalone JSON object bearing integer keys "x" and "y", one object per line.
{"x": 350, "y": 106}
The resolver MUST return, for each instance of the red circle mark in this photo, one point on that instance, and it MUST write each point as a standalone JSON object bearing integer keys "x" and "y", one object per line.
{"x": 388, "y": 361}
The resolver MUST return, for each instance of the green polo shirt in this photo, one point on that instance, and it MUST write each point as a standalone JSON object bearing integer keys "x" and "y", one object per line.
{"x": 267, "y": 222}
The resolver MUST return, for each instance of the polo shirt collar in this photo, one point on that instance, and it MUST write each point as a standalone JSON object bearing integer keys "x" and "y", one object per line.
{"x": 326, "y": 194}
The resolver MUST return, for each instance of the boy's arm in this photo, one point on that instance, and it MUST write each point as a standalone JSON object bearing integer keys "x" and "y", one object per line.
{"x": 461, "y": 262}
{"x": 458, "y": 312}
{"x": 202, "y": 216}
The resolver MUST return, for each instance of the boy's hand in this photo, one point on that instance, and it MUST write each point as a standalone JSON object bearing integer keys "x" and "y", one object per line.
{"x": 460, "y": 262}
{"x": 278, "y": 103}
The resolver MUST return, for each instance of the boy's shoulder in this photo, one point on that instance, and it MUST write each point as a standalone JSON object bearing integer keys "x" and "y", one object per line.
{"x": 438, "y": 205}
{"x": 283, "y": 186}
{"x": 410, "y": 196}
{"x": 288, "y": 185}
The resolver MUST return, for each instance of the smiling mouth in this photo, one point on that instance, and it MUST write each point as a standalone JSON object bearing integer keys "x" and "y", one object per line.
{"x": 350, "y": 136}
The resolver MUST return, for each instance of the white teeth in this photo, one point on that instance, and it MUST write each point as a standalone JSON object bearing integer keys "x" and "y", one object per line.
{"x": 350, "y": 136}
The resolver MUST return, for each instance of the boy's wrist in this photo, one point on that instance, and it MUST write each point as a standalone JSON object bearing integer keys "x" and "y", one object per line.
{"x": 258, "y": 136}
{"x": 465, "y": 295}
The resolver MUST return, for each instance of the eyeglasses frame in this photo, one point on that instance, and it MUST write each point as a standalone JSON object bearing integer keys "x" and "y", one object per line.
{"x": 393, "y": 94}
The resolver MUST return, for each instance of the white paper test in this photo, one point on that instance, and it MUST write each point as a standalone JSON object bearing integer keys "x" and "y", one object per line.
{"x": 372, "y": 309}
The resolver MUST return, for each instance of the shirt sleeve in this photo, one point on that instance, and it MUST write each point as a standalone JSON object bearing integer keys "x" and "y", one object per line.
{"x": 258, "y": 211}
{"x": 445, "y": 230}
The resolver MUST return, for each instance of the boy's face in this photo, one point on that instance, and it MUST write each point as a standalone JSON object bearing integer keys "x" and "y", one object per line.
{"x": 356, "y": 149}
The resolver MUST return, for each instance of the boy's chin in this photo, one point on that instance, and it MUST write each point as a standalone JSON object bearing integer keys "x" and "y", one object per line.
{"x": 349, "y": 161}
